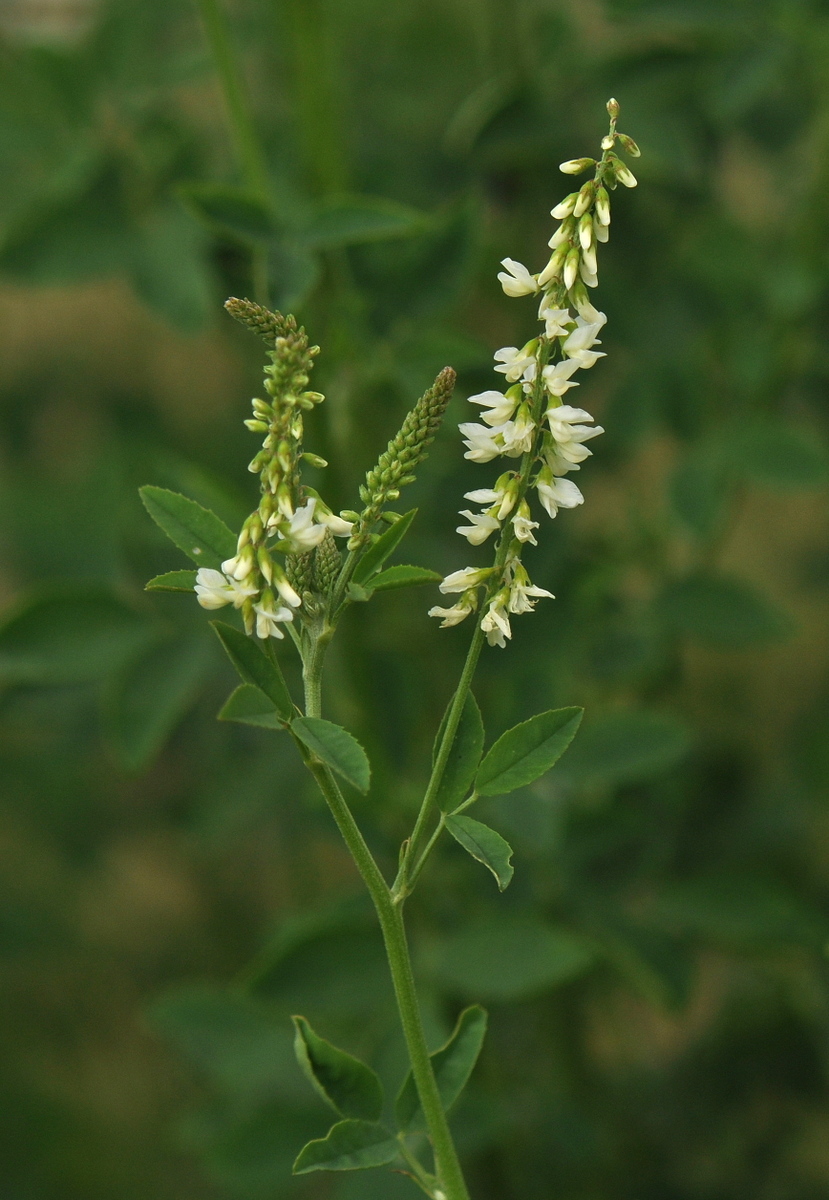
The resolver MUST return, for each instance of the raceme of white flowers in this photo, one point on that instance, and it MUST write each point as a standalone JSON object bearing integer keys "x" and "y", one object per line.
{"x": 529, "y": 420}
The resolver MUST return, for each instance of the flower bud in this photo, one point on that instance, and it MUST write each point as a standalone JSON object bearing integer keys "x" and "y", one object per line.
{"x": 586, "y": 231}
{"x": 575, "y": 166}
{"x": 607, "y": 141}
{"x": 256, "y": 426}
{"x": 585, "y": 198}
{"x": 625, "y": 177}
{"x": 313, "y": 459}
{"x": 613, "y": 108}
{"x": 602, "y": 206}
{"x": 553, "y": 268}
{"x": 565, "y": 208}
{"x": 629, "y": 145}
{"x": 571, "y": 268}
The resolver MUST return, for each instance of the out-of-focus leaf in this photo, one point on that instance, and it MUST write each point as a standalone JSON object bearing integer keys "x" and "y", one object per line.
{"x": 170, "y": 271}
{"x": 172, "y": 581}
{"x": 485, "y": 845}
{"x": 232, "y": 211}
{"x": 387, "y": 542}
{"x": 349, "y": 1146}
{"x": 628, "y": 746}
{"x": 657, "y": 964}
{"x": 462, "y": 764}
{"x": 700, "y": 488}
{"x": 250, "y": 706}
{"x": 351, "y": 220}
{"x": 336, "y": 747}
{"x": 452, "y": 1064}
{"x": 197, "y": 531}
{"x": 527, "y": 751}
{"x": 510, "y": 957}
{"x": 722, "y": 612}
{"x": 347, "y": 1084}
{"x": 254, "y": 667}
{"x": 779, "y": 454}
{"x": 295, "y": 270}
{"x": 403, "y": 576}
{"x": 70, "y": 635}
{"x": 148, "y": 698}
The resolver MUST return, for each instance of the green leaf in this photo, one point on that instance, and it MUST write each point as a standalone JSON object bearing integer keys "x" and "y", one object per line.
{"x": 171, "y": 269}
{"x": 353, "y": 220}
{"x": 722, "y": 612}
{"x": 197, "y": 531}
{"x": 700, "y": 488}
{"x": 348, "y": 1085}
{"x": 509, "y": 957}
{"x": 336, "y": 747}
{"x": 349, "y": 1146}
{"x": 452, "y": 1064}
{"x": 250, "y": 706}
{"x": 777, "y": 454}
{"x": 628, "y": 747}
{"x": 464, "y": 756}
{"x": 403, "y": 576}
{"x": 527, "y": 750}
{"x": 484, "y": 844}
{"x": 233, "y": 211}
{"x": 254, "y": 667}
{"x": 377, "y": 554}
{"x": 72, "y": 634}
{"x": 172, "y": 581}
{"x": 149, "y": 697}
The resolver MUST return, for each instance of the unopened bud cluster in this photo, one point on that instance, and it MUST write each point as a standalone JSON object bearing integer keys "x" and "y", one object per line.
{"x": 529, "y": 420}
{"x": 290, "y": 518}
{"x": 396, "y": 466}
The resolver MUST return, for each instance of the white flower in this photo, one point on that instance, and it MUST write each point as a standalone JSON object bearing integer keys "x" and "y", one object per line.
{"x": 514, "y": 362}
{"x": 518, "y": 434}
{"x": 577, "y": 345}
{"x": 503, "y": 494}
{"x": 482, "y": 526}
{"x": 516, "y": 280}
{"x": 214, "y": 589}
{"x": 495, "y": 623}
{"x": 483, "y": 444}
{"x": 589, "y": 261}
{"x": 523, "y": 524}
{"x": 565, "y": 208}
{"x": 556, "y": 319}
{"x": 561, "y": 234}
{"x": 557, "y": 376}
{"x": 499, "y": 407}
{"x": 520, "y": 591}
{"x": 589, "y": 277}
{"x": 625, "y": 177}
{"x": 302, "y": 532}
{"x": 568, "y": 435}
{"x": 556, "y": 493}
{"x": 338, "y": 525}
{"x": 268, "y": 618}
{"x": 602, "y": 207}
{"x": 286, "y": 592}
{"x": 571, "y": 267}
{"x": 585, "y": 308}
{"x": 462, "y": 581}
{"x": 600, "y": 232}
{"x": 457, "y": 613}
{"x": 240, "y": 566}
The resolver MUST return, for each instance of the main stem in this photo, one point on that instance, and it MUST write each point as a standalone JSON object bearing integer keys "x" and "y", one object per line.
{"x": 390, "y": 915}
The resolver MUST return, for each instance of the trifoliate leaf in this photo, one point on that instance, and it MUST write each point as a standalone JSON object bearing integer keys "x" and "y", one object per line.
{"x": 349, "y": 1146}
{"x": 197, "y": 531}
{"x": 254, "y": 667}
{"x": 347, "y": 1084}
{"x": 526, "y": 751}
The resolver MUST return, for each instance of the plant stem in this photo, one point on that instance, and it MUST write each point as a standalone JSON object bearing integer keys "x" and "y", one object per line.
{"x": 402, "y": 883}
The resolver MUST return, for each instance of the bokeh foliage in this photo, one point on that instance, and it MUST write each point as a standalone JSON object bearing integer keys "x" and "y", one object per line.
{"x": 656, "y": 974}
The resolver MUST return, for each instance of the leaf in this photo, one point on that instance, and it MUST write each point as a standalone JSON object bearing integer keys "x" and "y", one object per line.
{"x": 628, "y": 746}
{"x": 464, "y": 756}
{"x": 171, "y": 269}
{"x": 507, "y": 958}
{"x": 250, "y": 706}
{"x": 349, "y": 1146}
{"x": 484, "y": 844}
{"x": 353, "y": 220}
{"x": 723, "y": 612}
{"x": 150, "y": 696}
{"x": 347, "y": 1084}
{"x": 72, "y": 634}
{"x": 700, "y": 488}
{"x": 452, "y": 1064}
{"x": 233, "y": 211}
{"x": 777, "y": 454}
{"x": 336, "y": 747}
{"x": 527, "y": 750}
{"x": 197, "y": 531}
{"x": 254, "y": 667}
{"x": 172, "y": 581}
{"x": 377, "y": 554}
{"x": 403, "y": 576}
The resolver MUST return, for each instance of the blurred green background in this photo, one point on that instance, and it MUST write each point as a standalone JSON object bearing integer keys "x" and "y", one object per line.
{"x": 171, "y": 889}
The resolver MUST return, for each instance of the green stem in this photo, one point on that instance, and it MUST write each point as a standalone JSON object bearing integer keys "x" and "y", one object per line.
{"x": 402, "y": 883}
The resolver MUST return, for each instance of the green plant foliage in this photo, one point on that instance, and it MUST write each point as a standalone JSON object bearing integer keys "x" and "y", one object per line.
{"x": 527, "y": 751}
{"x": 722, "y": 612}
{"x": 403, "y": 576}
{"x": 254, "y": 667}
{"x": 353, "y": 220}
{"x": 348, "y": 1085}
{"x": 230, "y": 211}
{"x": 249, "y": 706}
{"x": 453, "y": 1063}
{"x": 349, "y": 1146}
{"x": 508, "y": 958}
{"x": 197, "y": 531}
{"x": 628, "y": 746}
{"x": 462, "y": 763}
{"x": 776, "y": 454}
{"x": 336, "y": 747}
{"x": 173, "y": 581}
{"x": 484, "y": 844}
{"x": 385, "y": 545}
